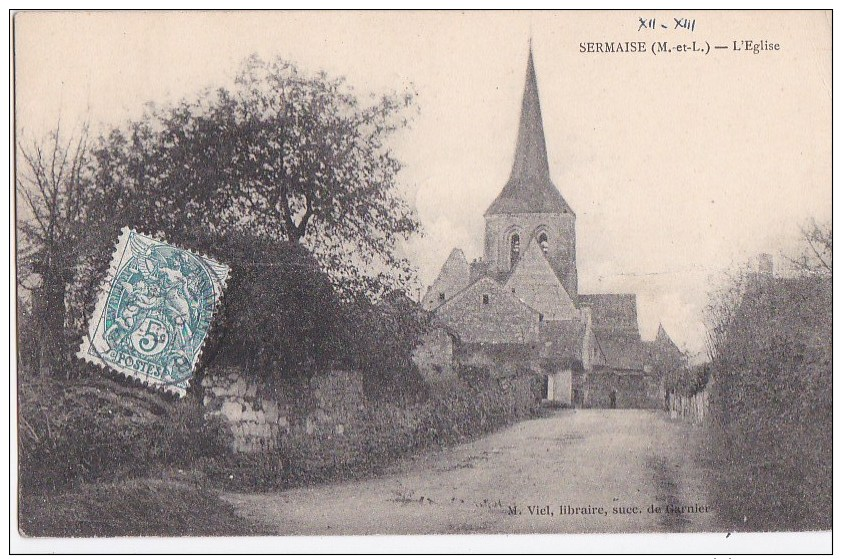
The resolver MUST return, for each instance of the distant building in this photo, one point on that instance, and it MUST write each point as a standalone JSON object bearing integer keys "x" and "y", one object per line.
{"x": 519, "y": 307}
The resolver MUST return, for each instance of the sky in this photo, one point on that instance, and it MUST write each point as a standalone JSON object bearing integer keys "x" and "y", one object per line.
{"x": 679, "y": 166}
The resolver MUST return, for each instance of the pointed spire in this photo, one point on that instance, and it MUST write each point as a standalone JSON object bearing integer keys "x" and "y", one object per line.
{"x": 531, "y": 151}
{"x": 530, "y": 188}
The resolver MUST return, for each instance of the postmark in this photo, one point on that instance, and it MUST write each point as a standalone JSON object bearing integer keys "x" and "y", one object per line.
{"x": 154, "y": 311}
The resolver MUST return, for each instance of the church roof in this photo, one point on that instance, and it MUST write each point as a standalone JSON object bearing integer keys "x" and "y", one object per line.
{"x": 663, "y": 338}
{"x": 530, "y": 189}
{"x": 623, "y": 351}
{"x": 612, "y": 311}
{"x": 455, "y": 275}
{"x": 664, "y": 351}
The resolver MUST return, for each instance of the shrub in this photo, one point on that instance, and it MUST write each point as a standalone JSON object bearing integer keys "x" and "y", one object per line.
{"x": 96, "y": 429}
{"x": 279, "y": 313}
{"x": 281, "y": 319}
{"x": 379, "y": 340}
{"x": 389, "y": 431}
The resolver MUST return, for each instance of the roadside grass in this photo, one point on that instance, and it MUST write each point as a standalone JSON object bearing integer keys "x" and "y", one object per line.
{"x": 136, "y": 507}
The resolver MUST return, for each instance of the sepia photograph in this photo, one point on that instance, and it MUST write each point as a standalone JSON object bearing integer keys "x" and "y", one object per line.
{"x": 421, "y": 273}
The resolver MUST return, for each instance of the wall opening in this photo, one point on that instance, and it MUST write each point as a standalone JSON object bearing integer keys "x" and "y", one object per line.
{"x": 543, "y": 242}
{"x": 514, "y": 250}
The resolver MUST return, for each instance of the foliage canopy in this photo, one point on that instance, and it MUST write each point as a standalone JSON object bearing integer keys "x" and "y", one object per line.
{"x": 278, "y": 155}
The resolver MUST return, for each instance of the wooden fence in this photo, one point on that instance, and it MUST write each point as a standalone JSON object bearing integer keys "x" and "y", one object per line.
{"x": 690, "y": 408}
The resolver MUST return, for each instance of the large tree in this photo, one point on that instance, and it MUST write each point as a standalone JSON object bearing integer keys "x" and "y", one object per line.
{"x": 279, "y": 154}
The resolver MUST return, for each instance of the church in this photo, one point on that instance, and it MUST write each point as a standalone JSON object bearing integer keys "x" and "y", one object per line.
{"x": 518, "y": 309}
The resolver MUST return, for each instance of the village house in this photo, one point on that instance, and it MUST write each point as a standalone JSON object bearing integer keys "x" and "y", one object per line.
{"x": 518, "y": 309}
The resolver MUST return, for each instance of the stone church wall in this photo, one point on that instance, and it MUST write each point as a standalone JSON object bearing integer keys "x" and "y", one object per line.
{"x": 561, "y": 236}
{"x": 631, "y": 390}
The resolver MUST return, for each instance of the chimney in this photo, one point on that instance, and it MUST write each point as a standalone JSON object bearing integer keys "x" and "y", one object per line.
{"x": 765, "y": 265}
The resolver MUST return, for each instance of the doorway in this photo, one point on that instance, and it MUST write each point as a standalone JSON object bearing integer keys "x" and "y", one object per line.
{"x": 549, "y": 387}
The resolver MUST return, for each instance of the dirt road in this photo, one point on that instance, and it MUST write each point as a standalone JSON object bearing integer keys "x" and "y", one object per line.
{"x": 547, "y": 475}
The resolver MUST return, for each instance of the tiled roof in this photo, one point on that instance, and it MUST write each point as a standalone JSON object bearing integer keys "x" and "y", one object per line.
{"x": 612, "y": 311}
{"x": 534, "y": 281}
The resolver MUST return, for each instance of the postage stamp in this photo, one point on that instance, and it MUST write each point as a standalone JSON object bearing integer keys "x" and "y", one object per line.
{"x": 154, "y": 311}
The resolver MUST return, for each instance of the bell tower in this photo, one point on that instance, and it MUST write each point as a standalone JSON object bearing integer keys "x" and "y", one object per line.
{"x": 530, "y": 208}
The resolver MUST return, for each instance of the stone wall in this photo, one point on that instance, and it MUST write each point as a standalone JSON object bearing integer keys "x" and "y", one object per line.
{"x": 257, "y": 422}
{"x": 328, "y": 425}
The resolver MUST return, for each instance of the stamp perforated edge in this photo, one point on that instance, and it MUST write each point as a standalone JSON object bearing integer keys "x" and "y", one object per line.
{"x": 102, "y": 301}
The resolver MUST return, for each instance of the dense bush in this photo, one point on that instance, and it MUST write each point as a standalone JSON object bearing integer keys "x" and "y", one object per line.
{"x": 279, "y": 312}
{"x": 771, "y": 407}
{"x": 282, "y": 319}
{"x": 379, "y": 340}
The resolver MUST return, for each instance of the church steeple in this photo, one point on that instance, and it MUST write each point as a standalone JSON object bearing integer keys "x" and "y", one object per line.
{"x": 531, "y": 152}
{"x": 529, "y": 188}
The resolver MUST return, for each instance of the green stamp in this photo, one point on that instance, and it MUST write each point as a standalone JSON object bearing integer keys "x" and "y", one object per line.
{"x": 154, "y": 311}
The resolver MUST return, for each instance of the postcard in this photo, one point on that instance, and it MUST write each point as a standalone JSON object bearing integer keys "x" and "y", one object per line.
{"x": 423, "y": 273}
